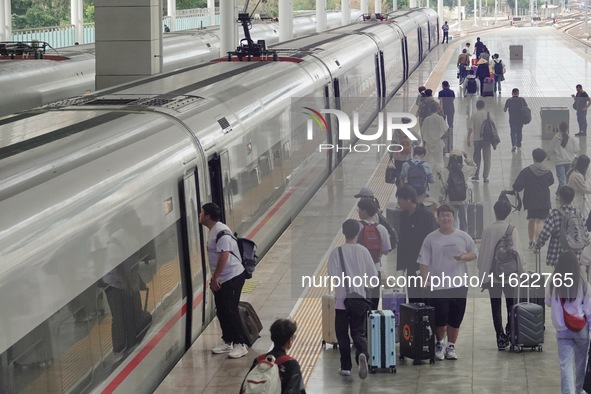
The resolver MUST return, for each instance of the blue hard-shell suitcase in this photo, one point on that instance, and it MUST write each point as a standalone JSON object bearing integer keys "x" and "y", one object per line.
{"x": 382, "y": 349}
{"x": 391, "y": 300}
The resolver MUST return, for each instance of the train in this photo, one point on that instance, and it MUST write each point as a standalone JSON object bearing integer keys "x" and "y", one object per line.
{"x": 71, "y": 71}
{"x": 103, "y": 264}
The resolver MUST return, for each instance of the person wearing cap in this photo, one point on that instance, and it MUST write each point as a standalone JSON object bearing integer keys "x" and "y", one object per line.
{"x": 468, "y": 168}
{"x": 367, "y": 194}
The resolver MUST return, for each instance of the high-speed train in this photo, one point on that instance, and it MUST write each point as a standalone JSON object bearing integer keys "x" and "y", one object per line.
{"x": 33, "y": 83}
{"x": 103, "y": 265}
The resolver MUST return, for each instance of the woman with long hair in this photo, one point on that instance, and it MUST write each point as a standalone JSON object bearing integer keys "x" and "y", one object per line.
{"x": 569, "y": 296}
{"x": 563, "y": 150}
{"x": 578, "y": 180}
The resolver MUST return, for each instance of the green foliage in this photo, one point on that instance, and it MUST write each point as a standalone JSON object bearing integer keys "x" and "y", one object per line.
{"x": 89, "y": 14}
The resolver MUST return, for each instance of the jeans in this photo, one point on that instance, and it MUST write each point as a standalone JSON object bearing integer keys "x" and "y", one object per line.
{"x": 516, "y": 133}
{"x": 561, "y": 170}
{"x": 460, "y": 216}
{"x": 482, "y": 150}
{"x": 498, "y": 79}
{"x": 358, "y": 325}
{"x": 445, "y": 37}
{"x": 226, "y": 304}
{"x": 582, "y": 121}
{"x": 572, "y": 352}
{"x": 495, "y": 293}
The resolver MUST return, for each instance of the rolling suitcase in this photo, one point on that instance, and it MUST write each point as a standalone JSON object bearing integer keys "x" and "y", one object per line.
{"x": 536, "y": 294}
{"x": 475, "y": 218}
{"x": 382, "y": 349}
{"x": 391, "y": 300}
{"x": 488, "y": 87}
{"x": 328, "y": 317}
{"x": 251, "y": 324}
{"x": 527, "y": 317}
{"x": 417, "y": 332}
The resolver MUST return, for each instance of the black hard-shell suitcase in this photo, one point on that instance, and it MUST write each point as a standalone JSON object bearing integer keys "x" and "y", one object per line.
{"x": 417, "y": 332}
{"x": 251, "y": 324}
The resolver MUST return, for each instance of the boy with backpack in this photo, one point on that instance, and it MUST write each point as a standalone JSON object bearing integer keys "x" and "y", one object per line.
{"x": 418, "y": 173}
{"x": 276, "y": 370}
{"x": 564, "y": 227}
{"x": 500, "y": 252}
{"x": 470, "y": 88}
{"x": 375, "y": 238}
{"x": 367, "y": 193}
{"x": 455, "y": 188}
{"x": 499, "y": 70}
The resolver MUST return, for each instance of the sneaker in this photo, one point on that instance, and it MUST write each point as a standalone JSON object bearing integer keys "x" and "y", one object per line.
{"x": 450, "y": 353}
{"x": 502, "y": 342}
{"x": 485, "y": 180}
{"x": 475, "y": 178}
{"x": 344, "y": 372}
{"x": 581, "y": 134}
{"x": 439, "y": 351}
{"x": 223, "y": 348}
{"x": 362, "y": 366}
{"x": 532, "y": 245}
{"x": 513, "y": 149}
{"x": 238, "y": 351}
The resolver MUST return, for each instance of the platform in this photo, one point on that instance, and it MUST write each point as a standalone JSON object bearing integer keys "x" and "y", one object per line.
{"x": 553, "y": 64}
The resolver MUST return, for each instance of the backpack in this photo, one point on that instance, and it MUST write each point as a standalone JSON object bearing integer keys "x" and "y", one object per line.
{"x": 573, "y": 234}
{"x": 525, "y": 114}
{"x": 248, "y": 252}
{"x": 456, "y": 183}
{"x": 498, "y": 67}
{"x": 265, "y": 377}
{"x": 391, "y": 232}
{"x": 489, "y": 131}
{"x": 417, "y": 177}
{"x": 505, "y": 257}
{"x": 370, "y": 237}
{"x": 471, "y": 86}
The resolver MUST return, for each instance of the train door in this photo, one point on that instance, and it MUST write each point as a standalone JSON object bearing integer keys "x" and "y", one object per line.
{"x": 195, "y": 250}
{"x": 404, "y": 47}
{"x": 420, "y": 41}
{"x": 336, "y": 87}
{"x": 220, "y": 178}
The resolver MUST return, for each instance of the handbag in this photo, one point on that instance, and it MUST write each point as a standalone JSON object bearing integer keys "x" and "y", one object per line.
{"x": 573, "y": 323}
{"x": 355, "y": 304}
{"x": 390, "y": 172}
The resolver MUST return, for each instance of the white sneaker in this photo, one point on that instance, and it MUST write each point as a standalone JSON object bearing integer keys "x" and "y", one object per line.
{"x": 439, "y": 352}
{"x": 344, "y": 372}
{"x": 450, "y": 353}
{"x": 362, "y": 366}
{"x": 223, "y": 348}
{"x": 238, "y": 351}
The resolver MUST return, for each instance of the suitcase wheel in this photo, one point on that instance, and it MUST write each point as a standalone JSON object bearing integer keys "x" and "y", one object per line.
{"x": 372, "y": 370}
{"x": 432, "y": 361}
{"x": 323, "y": 344}
{"x": 335, "y": 346}
{"x": 401, "y": 358}
{"x": 518, "y": 349}
{"x": 392, "y": 369}
{"x": 540, "y": 348}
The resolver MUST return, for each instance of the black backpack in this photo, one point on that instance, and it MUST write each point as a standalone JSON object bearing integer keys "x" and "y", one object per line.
{"x": 417, "y": 177}
{"x": 489, "y": 131}
{"x": 471, "y": 86}
{"x": 391, "y": 232}
{"x": 498, "y": 67}
{"x": 456, "y": 183}
{"x": 248, "y": 251}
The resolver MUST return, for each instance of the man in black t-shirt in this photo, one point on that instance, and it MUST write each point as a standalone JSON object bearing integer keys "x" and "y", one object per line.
{"x": 580, "y": 105}
{"x": 515, "y": 106}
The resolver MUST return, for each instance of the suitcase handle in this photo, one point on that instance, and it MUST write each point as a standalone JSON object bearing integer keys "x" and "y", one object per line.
{"x": 430, "y": 332}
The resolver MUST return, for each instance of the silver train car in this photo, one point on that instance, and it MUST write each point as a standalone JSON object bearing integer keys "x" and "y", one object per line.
{"x": 34, "y": 83}
{"x": 103, "y": 264}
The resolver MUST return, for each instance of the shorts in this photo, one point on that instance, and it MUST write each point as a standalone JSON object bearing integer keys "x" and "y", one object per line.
{"x": 540, "y": 214}
{"x": 450, "y": 306}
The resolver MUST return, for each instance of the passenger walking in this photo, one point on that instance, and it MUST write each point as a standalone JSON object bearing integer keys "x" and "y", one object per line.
{"x": 455, "y": 188}
{"x": 499, "y": 71}
{"x": 446, "y": 251}
{"x": 478, "y": 47}
{"x": 421, "y": 96}
{"x": 482, "y": 148}
{"x": 416, "y": 222}
{"x": 433, "y": 131}
{"x": 404, "y": 155}
{"x": 351, "y": 260}
{"x": 375, "y": 238}
{"x": 535, "y": 181}
{"x": 463, "y": 64}
{"x": 578, "y": 179}
{"x": 445, "y": 29}
{"x": 290, "y": 374}
{"x": 226, "y": 281}
{"x": 515, "y": 106}
{"x": 446, "y": 102}
{"x": 418, "y": 173}
{"x": 470, "y": 89}
{"x": 581, "y": 104}
{"x": 571, "y": 316}
{"x": 426, "y": 107}
{"x": 553, "y": 224}
{"x": 482, "y": 72}
{"x": 563, "y": 150}
{"x": 485, "y": 54}
{"x": 486, "y": 265}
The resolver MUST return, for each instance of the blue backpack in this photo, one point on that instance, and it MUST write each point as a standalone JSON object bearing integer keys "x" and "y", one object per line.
{"x": 417, "y": 177}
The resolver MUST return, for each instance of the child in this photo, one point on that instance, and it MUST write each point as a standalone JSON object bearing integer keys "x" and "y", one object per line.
{"x": 570, "y": 299}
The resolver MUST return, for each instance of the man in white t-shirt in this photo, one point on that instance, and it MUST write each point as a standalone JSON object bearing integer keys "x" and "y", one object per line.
{"x": 444, "y": 253}
{"x": 227, "y": 279}
{"x": 358, "y": 263}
